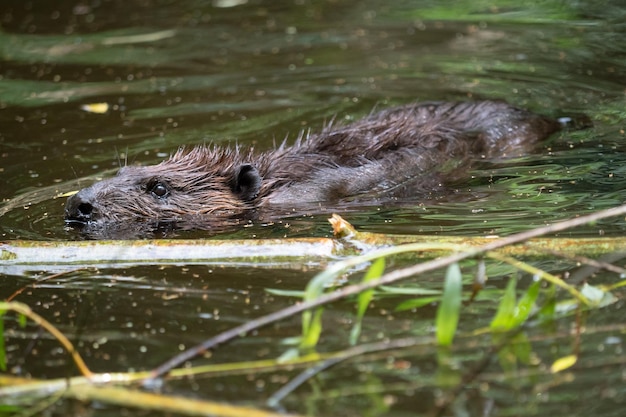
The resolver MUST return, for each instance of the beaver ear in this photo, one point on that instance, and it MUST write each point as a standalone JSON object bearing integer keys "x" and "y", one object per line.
{"x": 247, "y": 182}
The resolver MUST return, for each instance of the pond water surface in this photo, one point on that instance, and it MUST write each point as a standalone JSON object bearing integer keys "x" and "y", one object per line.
{"x": 175, "y": 73}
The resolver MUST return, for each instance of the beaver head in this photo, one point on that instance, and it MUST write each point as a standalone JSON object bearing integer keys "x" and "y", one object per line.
{"x": 207, "y": 183}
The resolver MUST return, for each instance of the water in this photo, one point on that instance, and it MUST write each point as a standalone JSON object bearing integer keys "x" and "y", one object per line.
{"x": 255, "y": 72}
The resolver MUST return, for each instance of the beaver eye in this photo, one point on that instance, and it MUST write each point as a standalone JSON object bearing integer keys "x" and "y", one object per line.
{"x": 158, "y": 189}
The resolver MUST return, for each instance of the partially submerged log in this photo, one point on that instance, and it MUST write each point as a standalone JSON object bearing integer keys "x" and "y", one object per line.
{"x": 19, "y": 255}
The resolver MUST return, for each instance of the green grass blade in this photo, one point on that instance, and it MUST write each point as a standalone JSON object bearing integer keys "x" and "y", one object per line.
{"x": 526, "y": 303}
{"x": 312, "y": 320}
{"x": 313, "y": 331}
{"x": 374, "y": 272}
{"x": 504, "y": 318}
{"x": 3, "y": 356}
{"x": 450, "y": 307}
{"x": 548, "y": 311}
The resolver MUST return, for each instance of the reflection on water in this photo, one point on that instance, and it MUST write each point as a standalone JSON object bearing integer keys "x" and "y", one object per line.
{"x": 255, "y": 72}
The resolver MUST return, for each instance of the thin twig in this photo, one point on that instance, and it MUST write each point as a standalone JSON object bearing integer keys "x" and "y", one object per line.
{"x": 26, "y": 311}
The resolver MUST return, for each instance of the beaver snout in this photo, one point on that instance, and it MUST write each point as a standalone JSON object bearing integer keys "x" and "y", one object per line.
{"x": 79, "y": 208}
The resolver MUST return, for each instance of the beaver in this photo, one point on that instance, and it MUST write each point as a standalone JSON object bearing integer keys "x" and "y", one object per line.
{"x": 411, "y": 151}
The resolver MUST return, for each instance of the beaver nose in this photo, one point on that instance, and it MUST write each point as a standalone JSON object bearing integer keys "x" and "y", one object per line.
{"x": 79, "y": 207}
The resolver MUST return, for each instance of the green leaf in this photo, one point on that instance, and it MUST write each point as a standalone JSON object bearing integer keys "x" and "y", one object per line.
{"x": 312, "y": 334}
{"x": 504, "y": 319}
{"x": 3, "y": 356}
{"x": 450, "y": 307}
{"x": 374, "y": 272}
{"x": 312, "y": 320}
{"x": 526, "y": 303}
{"x": 548, "y": 310}
{"x": 22, "y": 320}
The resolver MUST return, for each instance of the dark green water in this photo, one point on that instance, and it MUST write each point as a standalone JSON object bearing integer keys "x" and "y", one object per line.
{"x": 189, "y": 72}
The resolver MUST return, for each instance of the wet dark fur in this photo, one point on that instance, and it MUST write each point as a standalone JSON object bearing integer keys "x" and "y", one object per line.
{"x": 409, "y": 151}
